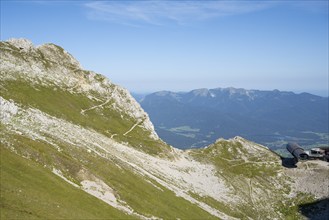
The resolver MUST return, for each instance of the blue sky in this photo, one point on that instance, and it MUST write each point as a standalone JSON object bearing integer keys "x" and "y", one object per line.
{"x": 148, "y": 46}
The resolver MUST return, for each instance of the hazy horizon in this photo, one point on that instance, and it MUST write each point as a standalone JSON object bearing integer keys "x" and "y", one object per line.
{"x": 148, "y": 46}
{"x": 322, "y": 93}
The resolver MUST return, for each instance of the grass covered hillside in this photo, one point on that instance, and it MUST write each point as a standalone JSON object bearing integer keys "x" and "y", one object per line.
{"x": 76, "y": 146}
{"x": 51, "y": 80}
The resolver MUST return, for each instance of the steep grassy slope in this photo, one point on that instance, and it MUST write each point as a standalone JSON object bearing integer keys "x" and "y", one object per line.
{"x": 33, "y": 175}
{"x": 68, "y": 106}
{"x": 75, "y": 146}
{"x": 29, "y": 191}
{"x": 264, "y": 189}
{"x": 71, "y": 93}
{"x": 58, "y": 109}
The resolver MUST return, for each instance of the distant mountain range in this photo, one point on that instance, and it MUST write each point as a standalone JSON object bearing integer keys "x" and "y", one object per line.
{"x": 197, "y": 118}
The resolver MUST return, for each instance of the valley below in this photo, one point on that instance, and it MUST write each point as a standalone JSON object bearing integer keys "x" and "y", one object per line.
{"x": 272, "y": 118}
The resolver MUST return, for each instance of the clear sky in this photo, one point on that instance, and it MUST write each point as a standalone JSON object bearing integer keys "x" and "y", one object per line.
{"x": 149, "y": 46}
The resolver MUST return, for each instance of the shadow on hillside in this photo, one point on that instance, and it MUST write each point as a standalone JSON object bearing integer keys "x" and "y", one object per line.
{"x": 288, "y": 162}
{"x": 318, "y": 210}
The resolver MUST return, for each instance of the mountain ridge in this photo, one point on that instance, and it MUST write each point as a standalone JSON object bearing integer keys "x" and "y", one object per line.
{"x": 66, "y": 73}
{"x": 74, "y": 145}
{"x": 267, "y": 117}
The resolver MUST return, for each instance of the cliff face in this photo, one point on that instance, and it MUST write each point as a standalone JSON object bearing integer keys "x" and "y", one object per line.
{"x": 74, "y": 145}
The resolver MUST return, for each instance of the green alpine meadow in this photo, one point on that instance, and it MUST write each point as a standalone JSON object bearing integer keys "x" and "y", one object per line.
{"x": 76, "y": 146}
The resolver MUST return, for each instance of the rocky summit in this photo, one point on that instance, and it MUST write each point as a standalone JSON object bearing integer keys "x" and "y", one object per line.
{"x": 76, "y": 146}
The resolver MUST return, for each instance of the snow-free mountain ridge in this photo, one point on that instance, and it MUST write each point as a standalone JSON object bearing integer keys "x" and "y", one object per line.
{"x": 197, "y": 118}
{"x": 76, "y": 146}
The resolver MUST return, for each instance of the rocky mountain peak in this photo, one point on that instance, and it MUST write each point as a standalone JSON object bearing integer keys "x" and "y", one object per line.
{"x": 21, "y": 43}
{"x": 163, "y": 93}
{"x": 59, "y": 55}
{"x": 50, "y": 66}
{"x": 200, "y": 92}
{"x": 232, "y": 92}
{"x": 48, "y": 52}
